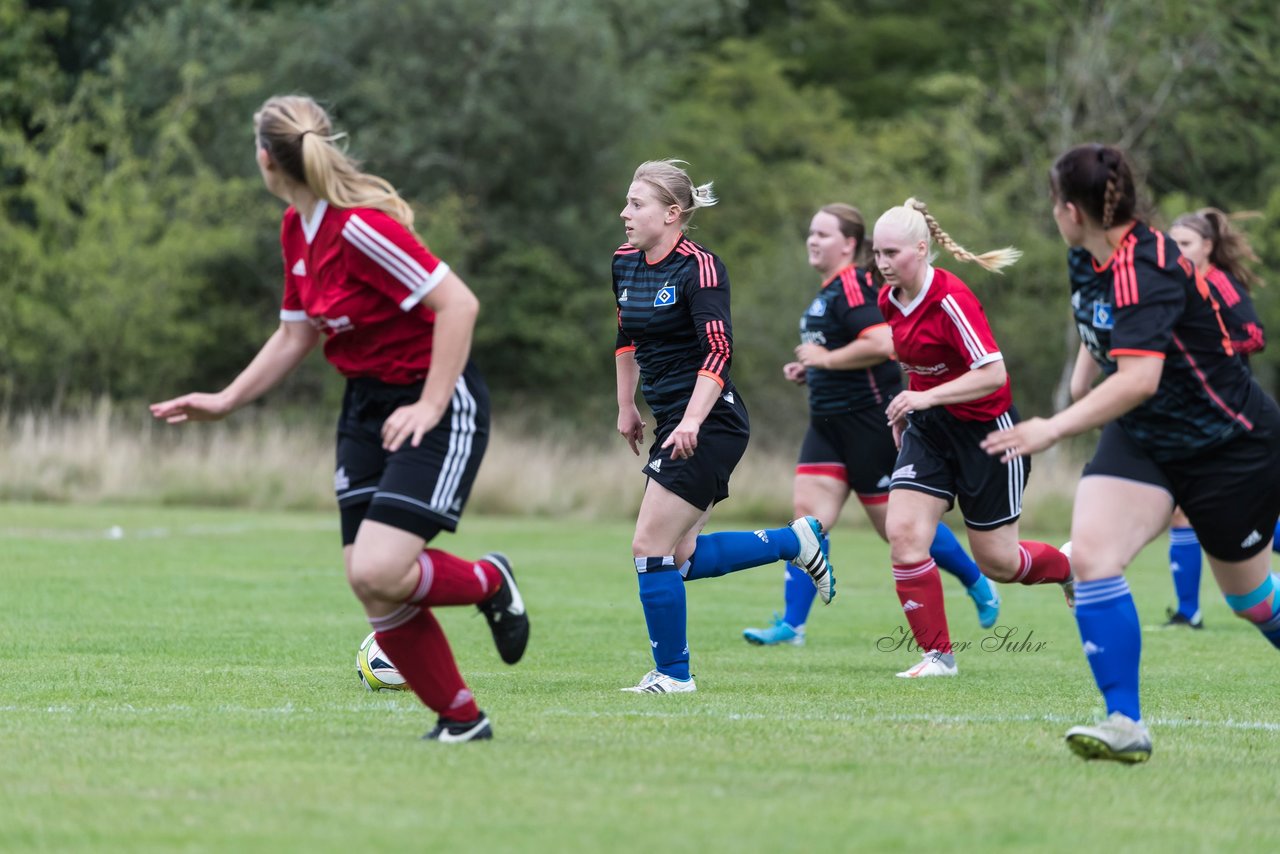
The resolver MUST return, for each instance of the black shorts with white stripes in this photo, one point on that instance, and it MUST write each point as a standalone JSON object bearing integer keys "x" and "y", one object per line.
{"x": 941, "y": 456}
{"x": 421, "y": 490}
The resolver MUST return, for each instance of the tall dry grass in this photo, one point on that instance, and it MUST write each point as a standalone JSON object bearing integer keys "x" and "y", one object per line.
{"x": 114, "y": 454}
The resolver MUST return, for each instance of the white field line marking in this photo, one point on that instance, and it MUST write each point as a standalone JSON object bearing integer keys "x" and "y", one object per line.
{"x": 399, "y": 707}
{"x": 876, "y": 718}
{"x": 116, "y": 532}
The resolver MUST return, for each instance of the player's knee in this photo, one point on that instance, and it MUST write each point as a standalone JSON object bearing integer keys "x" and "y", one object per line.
{"x": 374, "y": 578}
{"x": 998, "y": 567}
{"x": 1258, "y": 606}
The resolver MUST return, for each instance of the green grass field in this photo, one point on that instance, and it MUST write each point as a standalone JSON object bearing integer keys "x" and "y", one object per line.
{"x": 190, "y": 686}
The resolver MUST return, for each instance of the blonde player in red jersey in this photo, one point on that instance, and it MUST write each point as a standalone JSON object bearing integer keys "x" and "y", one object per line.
{"x": 958, "y": 392}
{"x": 397, "y": 323}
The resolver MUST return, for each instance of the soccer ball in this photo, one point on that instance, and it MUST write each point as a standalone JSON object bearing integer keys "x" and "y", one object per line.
{"x": 375, "y": 669}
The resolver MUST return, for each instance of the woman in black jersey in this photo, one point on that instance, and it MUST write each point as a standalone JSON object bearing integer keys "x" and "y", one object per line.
{"x": 675, "y": 339}
{"x": 845, "y": 358}
{"x": 1183, "y": 423}
{"x": 1222, "y": 253}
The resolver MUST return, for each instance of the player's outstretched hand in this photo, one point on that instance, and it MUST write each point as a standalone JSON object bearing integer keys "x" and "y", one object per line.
{"x": 794, "y": 372}
{"x": 1022, "y": 440}
{"x": 198, "y": 406}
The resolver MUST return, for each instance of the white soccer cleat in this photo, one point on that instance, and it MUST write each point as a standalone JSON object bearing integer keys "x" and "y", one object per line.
{"x": 1069, "y": 586}
{"x": 1119, "y": 738}
{"x": 933, "y": 663}
{"x": 808, "y": 531}
{"x": 660, "y": 683}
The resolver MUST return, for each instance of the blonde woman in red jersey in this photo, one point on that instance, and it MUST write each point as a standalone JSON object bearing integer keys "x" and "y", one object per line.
{"x": 958, "y": 392}
{"x": 397, "y": 322}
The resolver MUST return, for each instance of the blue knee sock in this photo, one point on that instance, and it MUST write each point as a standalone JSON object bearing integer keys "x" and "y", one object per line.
{"x": 799, "y": 591}
{"x": 1112, "y": 641}
{"x": 1262, "y": 608}
{"x": 950, "y": 556}
{"x": 1185, "y": 564}
{"x": 1275, "y": 539}
{"x": 720, "y": 554}
{"x": 662, "y": 595}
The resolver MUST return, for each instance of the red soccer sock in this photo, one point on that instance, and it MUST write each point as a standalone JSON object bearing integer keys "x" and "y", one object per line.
{"x": 920, "y": 592}
{"x": 1041, "y": 563}
{"x": 446, "y": 579}
{"x": 420, "y": 651}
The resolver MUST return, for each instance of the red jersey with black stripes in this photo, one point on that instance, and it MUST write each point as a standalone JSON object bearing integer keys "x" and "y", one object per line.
{"x": 1148, "y": 300}
{"x": 844, "y": 310}
{"x": 943, "y": 334}
{"x": 674, "y": 315}
{"x": 1243, "y": 325}
{"x": 359, "y": 277}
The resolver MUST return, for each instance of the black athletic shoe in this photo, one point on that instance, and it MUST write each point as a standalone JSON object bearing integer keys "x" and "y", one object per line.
{"x": 1178, "y": 619}
{"x": 505, "y": 612}
{"x": 456, "y": 732}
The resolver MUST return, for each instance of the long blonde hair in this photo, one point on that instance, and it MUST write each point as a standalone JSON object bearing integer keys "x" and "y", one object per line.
{"x": 674, "y": 187}
{"x": 298, "y": 135}
{"x": 912, "y": 217}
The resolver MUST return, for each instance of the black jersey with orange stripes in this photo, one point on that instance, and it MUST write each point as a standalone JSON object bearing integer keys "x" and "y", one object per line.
{"x": 674, "y": 315}
{"x": 1243, "y": 325}
{"x": 845, "y": 309}
{"x": 1148, "y": 300}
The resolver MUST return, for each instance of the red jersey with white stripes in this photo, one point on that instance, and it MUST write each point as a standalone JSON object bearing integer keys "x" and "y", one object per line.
{"x": 674, "y": 315}
{"x": 359, "y": 276}
{"x": 943, "y": 334}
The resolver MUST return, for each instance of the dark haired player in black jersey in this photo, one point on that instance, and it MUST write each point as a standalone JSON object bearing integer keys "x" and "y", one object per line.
{"x": 1183, "y": 423}
{"x": 675, "y": 338}
{"x": 1208, "y": 239}
{"x": 845, "y": 357}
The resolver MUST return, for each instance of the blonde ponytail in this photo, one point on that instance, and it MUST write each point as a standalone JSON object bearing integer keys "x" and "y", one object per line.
{"x": 298, "y": 135}
{"x": 674, "y": 187}
{"x": 913, "y": 219}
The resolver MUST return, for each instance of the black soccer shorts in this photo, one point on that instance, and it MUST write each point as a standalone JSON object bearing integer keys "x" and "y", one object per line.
{"x": 855, "y": 446}
{"x": 703, "y": 479}
{"x": 941, "y": 456}
{"x": 421, "y": 490}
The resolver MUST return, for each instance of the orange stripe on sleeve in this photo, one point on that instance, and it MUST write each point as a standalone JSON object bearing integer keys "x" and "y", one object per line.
{"x": 719, "y": 379}
{"x": 1152, "y": 354}
{"x": 621, "y": 350}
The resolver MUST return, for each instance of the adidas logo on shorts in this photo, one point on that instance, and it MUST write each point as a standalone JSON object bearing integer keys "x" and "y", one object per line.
{"x": 1252, "y": 540}
{"x": 656, "y": 465}
{"x": 907, "y": 472}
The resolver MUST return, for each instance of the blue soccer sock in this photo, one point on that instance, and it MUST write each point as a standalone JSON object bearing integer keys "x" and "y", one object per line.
{"x": 1275, "y": 539}
{"x": 950, "y": 556}
{"x": 1112, "y": 641}
{"x": 799, "y": 591}
{"x": 1262, "y": 608}
{"x": 1185, "y": 565}
{"x": 719, "y": 554}
{"x": 662, "y": 595}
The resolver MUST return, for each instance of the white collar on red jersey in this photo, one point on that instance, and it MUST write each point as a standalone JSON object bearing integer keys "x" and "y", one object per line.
{"x": 920, "y": 297}
{"x": 310, "y": 227}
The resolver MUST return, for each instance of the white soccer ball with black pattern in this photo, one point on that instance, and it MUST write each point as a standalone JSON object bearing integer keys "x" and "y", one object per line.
{"x": 375, "y": 669}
